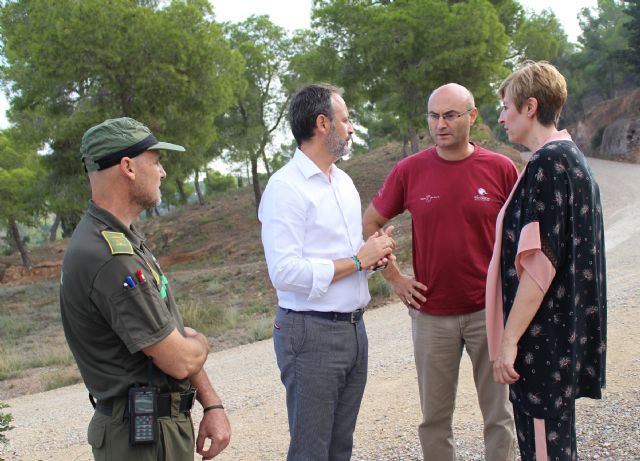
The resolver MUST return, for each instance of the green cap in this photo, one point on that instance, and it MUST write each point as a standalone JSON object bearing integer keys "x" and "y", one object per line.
{"x": 104, "y": 145}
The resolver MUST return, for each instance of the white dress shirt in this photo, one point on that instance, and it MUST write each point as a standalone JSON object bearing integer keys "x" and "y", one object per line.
{"x": 307, "y": 222}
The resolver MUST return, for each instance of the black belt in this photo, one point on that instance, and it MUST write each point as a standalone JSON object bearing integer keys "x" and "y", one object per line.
{"x": 186, "y": 403}
{"x": 352, "y": 317}
{"x": 163, "y": 404}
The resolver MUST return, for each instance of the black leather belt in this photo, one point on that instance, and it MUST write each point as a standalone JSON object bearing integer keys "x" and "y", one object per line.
{"x": 352, "y": 317}
{"x": 163, "y": 404}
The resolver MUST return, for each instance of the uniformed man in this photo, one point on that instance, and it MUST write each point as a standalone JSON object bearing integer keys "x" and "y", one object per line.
{"x": 119, "y": 316}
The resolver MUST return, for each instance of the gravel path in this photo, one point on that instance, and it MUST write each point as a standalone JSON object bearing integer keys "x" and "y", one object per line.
{"x": 52, "y": 425}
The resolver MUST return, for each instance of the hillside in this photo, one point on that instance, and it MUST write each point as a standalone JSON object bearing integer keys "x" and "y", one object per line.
{"x": 183, "y": 238}
{"x": 214, "y": 261}
{"x": 611, "y": 129}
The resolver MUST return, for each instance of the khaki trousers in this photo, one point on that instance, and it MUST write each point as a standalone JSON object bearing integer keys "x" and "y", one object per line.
{"x": 438, "y": 341}
{"x": 108, "y": 436}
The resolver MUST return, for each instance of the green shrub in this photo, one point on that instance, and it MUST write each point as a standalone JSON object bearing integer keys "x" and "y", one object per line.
{"x": 378, "y": 286}
{"x": 218, "y": 182}
{"x": 5, "y": 422}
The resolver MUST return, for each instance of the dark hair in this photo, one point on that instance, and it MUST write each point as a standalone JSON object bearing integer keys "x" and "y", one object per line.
{"x": 307, "y": 103}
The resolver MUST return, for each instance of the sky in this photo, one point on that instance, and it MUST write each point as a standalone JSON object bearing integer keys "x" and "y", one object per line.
{"x": 565, "y": 10}
{"x": 295, "y": 14}
{"x": 290, "y": 14}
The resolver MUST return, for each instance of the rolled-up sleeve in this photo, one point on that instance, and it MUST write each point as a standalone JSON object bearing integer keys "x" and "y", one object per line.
{"x": 283, "y": 214}
{"x": 532, "y": 259}
{"x": 323, "y": 271}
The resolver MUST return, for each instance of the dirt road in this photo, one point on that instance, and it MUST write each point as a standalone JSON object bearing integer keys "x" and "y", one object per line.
{"x": 52, "y": 425}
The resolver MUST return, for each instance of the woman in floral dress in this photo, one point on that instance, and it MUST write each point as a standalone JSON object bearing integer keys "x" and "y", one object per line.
{"x": 546, "y": 286}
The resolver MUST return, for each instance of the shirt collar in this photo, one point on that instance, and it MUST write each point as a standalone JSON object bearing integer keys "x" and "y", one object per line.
{"x": 307, "y": 167}
{"x": 115, "y": 224}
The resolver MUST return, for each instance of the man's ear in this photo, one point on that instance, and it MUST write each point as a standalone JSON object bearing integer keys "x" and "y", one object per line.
{"x": 473, "y": 115}
{"x": 323, "y": 123}
{"x": 126, "y": 167}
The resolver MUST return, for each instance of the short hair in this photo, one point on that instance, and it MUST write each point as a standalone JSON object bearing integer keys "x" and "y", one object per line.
{"x": 540, "y": 80}
{"x": 306, "y": 104}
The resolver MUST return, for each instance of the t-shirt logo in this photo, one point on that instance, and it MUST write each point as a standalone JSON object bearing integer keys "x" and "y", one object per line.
{"x": 482, "y": 195}
{"x": 429, "y": 198}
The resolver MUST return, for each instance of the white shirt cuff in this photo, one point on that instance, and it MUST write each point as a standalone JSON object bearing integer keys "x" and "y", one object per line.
{"x": 323, "y": 270}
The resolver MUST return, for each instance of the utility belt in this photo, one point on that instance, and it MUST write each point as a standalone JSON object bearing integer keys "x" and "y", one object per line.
{"x": 163, "y": 403}
{"x": 143, "y": 406}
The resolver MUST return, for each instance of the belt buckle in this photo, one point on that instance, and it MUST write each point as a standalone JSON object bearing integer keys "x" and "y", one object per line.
{"x": 355, "y": 316}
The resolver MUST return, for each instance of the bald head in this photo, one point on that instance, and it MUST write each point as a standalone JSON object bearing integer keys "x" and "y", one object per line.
{"x": 452, "y": 112}
{"x": 455, "y": 93}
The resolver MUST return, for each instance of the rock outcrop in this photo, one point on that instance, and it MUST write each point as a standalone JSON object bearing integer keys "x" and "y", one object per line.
{"x": 611, "y": 130}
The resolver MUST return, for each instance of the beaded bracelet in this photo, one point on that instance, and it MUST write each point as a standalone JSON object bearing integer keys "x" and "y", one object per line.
{"x": 357, "y": 261}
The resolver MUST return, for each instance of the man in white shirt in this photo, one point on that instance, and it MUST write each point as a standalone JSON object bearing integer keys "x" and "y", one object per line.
{"x": 318, "y": 263}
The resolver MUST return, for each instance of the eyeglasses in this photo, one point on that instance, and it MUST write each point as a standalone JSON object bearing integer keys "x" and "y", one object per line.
{"x": 448, "y": 117}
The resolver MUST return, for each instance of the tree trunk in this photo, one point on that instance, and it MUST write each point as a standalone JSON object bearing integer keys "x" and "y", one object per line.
{"x": 181, "y": 192}
{"x": 413, "y": 137}
{"x": 53, "y": 232}
{"x": 15, "y": 232}
{"x": 405, "y": 144}
{"x": 266, "y": 163}
{"x": 257, "y": 193}
{"x": 196, "y": 183}
{"x": 208, "y": 180}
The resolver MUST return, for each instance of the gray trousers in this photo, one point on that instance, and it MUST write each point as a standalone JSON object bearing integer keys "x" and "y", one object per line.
{"x": 323, "y": 366}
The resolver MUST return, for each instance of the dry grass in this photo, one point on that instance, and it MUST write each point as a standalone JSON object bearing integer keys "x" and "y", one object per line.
{"x": 62, "y": 377}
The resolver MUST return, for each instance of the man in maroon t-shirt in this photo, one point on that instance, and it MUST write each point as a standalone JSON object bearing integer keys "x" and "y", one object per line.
{"x": 454, "y": 191}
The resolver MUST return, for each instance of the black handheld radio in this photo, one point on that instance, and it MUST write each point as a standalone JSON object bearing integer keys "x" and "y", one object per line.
{"x": 143, "y": 412}
{"x": 143, "y": 415}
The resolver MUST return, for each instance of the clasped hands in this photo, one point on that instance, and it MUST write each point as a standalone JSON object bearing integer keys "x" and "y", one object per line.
{"x": 377, "y": 250}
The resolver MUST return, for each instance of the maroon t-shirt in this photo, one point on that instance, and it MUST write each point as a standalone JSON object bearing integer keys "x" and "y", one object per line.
{"x": 453, "y": 206}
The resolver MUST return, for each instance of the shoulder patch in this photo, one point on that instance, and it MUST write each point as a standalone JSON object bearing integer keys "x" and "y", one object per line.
{"x": 118, "y": 243}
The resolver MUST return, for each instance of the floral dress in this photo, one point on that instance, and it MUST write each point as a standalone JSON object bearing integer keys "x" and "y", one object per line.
{"x": 561, "y": 355}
